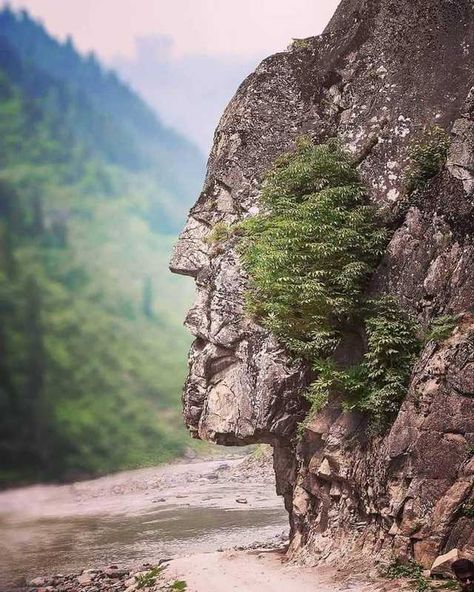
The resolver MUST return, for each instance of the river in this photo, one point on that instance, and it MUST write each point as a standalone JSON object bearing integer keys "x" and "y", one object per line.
{"x": 135, "y": 517}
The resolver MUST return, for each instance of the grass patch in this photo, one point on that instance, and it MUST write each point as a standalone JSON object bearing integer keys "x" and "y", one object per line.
{"x": 150, "y": 578}
{"x": 219, "y": 233}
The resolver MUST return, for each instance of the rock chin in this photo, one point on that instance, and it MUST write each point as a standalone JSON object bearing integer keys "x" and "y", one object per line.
{"x": 381, "y": 72}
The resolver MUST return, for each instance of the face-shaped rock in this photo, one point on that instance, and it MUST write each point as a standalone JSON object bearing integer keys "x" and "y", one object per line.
{"x": 241, "y": 386}
{"x": 362, "y": 81}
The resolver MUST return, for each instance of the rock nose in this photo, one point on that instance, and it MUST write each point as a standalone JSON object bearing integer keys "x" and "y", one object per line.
{"x": 189, "y": 255}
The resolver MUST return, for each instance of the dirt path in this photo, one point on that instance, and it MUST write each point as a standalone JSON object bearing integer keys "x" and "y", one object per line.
{"x": 236, "y": 571}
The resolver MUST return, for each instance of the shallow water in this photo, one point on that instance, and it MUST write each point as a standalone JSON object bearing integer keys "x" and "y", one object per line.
{"x": 62, "y": 529}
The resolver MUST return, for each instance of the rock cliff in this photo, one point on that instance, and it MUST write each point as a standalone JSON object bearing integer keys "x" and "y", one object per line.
{"x": 381, "y": 72}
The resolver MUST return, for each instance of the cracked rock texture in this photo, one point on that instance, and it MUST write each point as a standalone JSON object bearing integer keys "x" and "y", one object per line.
{"x": 381, "y": 72}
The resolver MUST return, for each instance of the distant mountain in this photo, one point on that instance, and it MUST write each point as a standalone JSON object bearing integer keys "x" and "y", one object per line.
{"x": 89, "y": 106}
{"x": 190, "y": 91}
{"x": 93, "y": 189}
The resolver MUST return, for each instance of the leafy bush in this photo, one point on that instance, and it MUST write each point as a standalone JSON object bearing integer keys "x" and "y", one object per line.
{"x": 412, "y": 571}
{"x": 308, "y": 256}
{"x": 385, "y": 370}
{"x": 441, "y": 328}
{"x": 427, "y": 157}
{"x": 311, "y": 250}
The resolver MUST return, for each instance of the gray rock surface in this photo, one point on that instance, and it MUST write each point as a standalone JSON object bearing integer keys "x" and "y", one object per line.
{"x": 381, "y": 72}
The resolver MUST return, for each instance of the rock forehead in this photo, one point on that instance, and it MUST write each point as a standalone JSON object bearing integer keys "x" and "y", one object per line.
{"x": 380, "y": 73}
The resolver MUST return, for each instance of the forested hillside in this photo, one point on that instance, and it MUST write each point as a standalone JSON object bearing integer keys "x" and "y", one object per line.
{"x": 92, "y": 190}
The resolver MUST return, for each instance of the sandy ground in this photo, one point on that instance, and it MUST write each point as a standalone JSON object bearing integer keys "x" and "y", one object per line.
{"x": 245, "y": 571}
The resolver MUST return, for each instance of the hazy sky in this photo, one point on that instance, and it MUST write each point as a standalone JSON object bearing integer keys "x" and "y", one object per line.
{"x": 165, "y": 47}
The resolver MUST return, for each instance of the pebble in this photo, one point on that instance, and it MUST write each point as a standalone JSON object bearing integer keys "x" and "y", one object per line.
{"x": 85, "y": 578}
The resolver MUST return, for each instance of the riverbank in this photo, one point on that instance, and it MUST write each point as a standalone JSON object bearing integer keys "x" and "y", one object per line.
{"x": 214, "y": 524}
{"x": 231, "y": 570}
{"x": 137, "y": 517}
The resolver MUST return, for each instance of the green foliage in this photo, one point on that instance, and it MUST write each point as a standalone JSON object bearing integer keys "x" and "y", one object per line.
{"x": 468, "y": 509}
{"x": 308, "y": 256}
{"x": 329, "y": 380}
{"x": 312, "y": 249}
{"x": 427, "y": 157}
{"x": 441, "y": 328}
{"x": 179, "y": 585}
{"x": 378, "y": 383}
{"x": 219, "y": 233}
{"x": 413, "y": 572}
{"x": 392, "y": 347}
{"x": 149, "y": 578}
{"x": 92, "y": 353}
{"x": 449, "y": 585}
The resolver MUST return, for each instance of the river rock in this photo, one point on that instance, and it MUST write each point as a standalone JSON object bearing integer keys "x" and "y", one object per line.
{"x": 85, "y": 578}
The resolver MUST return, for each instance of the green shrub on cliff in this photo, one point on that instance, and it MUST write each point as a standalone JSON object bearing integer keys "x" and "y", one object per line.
{"x": 309, "y": 255}
{"x": 311, "y": 250}
{"x": 441, "y": 328}
{"x": 382, "y": 376}
{"x": 411, "y": 571}
{"x": 427, "y": 156}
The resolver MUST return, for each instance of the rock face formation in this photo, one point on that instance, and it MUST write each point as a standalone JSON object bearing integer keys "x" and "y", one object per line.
{"x": 381, "y": 72}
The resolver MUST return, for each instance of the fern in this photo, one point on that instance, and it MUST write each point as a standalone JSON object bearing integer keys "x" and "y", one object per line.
{"x": 311, "y": 250}
{"x": 427, "y": 156}
{"x": 441, "y": 328}
{"x": 308, "y": 255}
